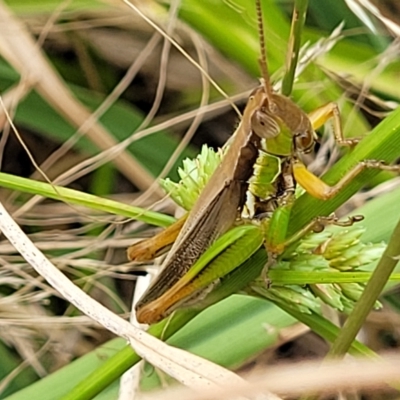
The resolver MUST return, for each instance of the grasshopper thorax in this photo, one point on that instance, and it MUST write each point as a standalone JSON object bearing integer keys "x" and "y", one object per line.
{"x": 285, "y": 128}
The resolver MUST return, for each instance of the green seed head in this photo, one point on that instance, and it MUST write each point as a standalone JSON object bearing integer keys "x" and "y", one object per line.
{"x": 194, "y": 175}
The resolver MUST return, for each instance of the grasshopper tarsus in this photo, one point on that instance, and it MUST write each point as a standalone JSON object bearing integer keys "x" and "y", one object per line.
{"x": 380, "y": 164}
{"x": 349, "y": 142}
{"x": 320, "y": 223}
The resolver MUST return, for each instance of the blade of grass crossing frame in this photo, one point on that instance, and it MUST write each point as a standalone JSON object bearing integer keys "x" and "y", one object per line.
{"x": 298, "y": 19}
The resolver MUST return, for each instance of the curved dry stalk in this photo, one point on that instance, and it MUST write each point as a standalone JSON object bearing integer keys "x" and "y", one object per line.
{"x": 295, "y": 379}
{"x": 188, "y": 369}
{"x": 130, "y": 380}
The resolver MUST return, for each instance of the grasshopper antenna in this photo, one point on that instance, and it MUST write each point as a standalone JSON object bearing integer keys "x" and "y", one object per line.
{"x": 263, "y": 51}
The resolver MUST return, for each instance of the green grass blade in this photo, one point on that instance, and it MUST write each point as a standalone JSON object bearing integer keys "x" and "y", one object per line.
{"x": 83, "y": 199}
{"x": 298, "y": 20}
{"x": 328, "y": 331}
{"x": 308, "y": 278}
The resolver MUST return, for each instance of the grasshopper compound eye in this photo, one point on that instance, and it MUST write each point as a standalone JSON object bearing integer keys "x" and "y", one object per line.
{"x": 304, "y": 141}
{"x": 264, "y": 125}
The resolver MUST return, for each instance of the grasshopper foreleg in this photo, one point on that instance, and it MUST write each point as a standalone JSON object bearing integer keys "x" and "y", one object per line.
{"x": 315, "y": 186}
{"x": 321, "y": 115}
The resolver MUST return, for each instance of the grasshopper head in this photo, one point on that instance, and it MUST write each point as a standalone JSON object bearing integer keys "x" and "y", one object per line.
{"x": 285, "y": 128}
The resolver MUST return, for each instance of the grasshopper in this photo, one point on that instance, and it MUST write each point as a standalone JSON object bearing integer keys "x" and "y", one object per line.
{"x": 271, "y": 138}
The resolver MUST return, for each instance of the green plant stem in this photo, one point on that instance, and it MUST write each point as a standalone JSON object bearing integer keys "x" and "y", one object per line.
{"x": 298, "y": 19}
{"x": 327, "y": 330}
{"x": 367, "y": 300}
{"x": 76, "y": 197}
{"x": 279, "y": 277}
